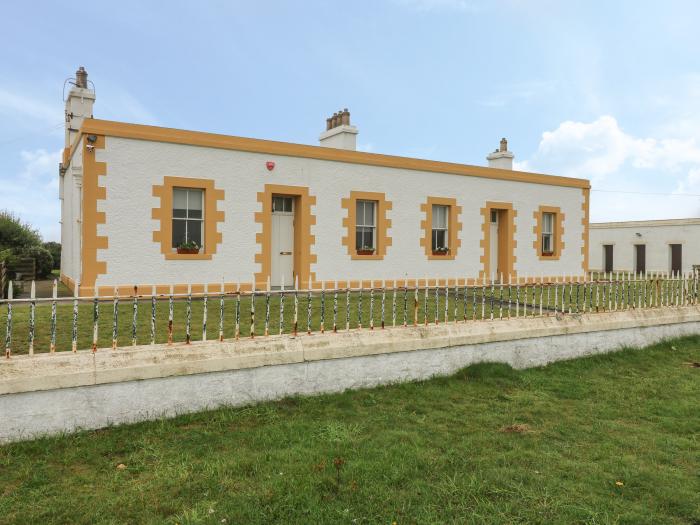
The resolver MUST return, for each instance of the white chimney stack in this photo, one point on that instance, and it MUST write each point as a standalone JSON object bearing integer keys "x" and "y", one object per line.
{"x": 501, "y": 158}
{"x": 339, "y": 133}
{"x": 78, "y": 105}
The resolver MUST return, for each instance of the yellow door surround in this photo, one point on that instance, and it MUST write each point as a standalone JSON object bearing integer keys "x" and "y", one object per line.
{"x": 506, "y": 240}
{"x": 303, "y": 239}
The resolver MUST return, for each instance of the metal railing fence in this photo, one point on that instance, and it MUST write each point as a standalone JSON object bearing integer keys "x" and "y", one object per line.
{"x": 50, "y": 324}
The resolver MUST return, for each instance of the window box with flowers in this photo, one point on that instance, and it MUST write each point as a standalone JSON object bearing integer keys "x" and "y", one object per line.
{"x": 441, "y": 250}
{"x": 365, "y": 250}
{"x": 188, "y": 247}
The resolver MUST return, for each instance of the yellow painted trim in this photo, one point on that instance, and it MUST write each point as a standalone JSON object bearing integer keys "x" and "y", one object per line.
{"x": 92, "y": 192}
{"x": 506, "y": 238}
{"x": 558, "y": 232}
{"x": 454, "y": 227}
{"x": 70, "y": 283}
{"x": 164, "y": 214}
{"x": 585, "y": 207}
{"x": 383, "y": 241}
{"x": 303, "y": 239}
{"x": 211, "y": 140}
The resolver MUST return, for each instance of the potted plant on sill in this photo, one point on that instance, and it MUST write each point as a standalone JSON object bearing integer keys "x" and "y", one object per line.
{"x": 188, "y": 247}
{"x": 365, "y": 250}
{"x": 442, "y": 250}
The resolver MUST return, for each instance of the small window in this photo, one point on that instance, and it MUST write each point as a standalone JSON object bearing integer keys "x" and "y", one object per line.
{"x": 494, "y": 216}
{"x": 440, "y": 228}
{"x": 188, "y": 217}
{"x": 366, "y": 226}
{"x": 547, "y": 233}
{"x": 283, "y": 204}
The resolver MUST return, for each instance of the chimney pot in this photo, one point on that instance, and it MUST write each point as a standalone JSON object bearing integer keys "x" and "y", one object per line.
{"x": 81, "y": 77}
{"x": 339, "y": 133}
{"x": 504, "y": 145}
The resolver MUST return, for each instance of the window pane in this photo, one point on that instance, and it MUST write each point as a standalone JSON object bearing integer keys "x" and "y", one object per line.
{"x": 179, "y": 203}
{"x": 439, "y": 239}
{"x": 178, "y": 232}
{"x": 546, "y": 243}
{"x": 194, "y": 232}
{"x": 194, "y": 200}
{"x": 360, "y": 212}
{"x": 369, "y": 237}
{"x": 439, "y": 216}
{"x": 364, "y": 238}
{"x": 547, "y": 222}
{"x": 369, "y": 213}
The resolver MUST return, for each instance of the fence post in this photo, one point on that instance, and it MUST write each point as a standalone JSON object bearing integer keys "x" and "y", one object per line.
{"x": 153, "y": 314}
{"x": 134, "y": 315}
{"x": 115, "y": 317}
{"x": 74, "y": 332}
{"x": 8, "y": 328}
{"x": 32, "y": 317}
{"x": 54, "y": 296}
{"x": 205, "y": 311}
{"x": 221, "y": 309}
{"x": 95, "y": 320}
{"x": 3, "y": 276}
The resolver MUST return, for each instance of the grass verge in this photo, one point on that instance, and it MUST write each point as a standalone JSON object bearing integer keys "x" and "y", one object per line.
{"x": 606, "y": 439}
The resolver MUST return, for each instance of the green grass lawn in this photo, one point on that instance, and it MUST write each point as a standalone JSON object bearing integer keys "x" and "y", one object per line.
{"x": 480, "y": 303}
{"x": 606, "y": 439}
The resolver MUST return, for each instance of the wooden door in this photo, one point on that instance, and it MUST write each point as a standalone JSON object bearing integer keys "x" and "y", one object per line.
{"x": 282, "y": 267}
{"x": 640, "y": 258}
{"x": 607, "y": 258}
{"x": 676, "y": 258}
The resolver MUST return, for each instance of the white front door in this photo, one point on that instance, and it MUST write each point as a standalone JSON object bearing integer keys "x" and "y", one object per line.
{"x": 493, "y": 249}
{"x": 282, "y": 268}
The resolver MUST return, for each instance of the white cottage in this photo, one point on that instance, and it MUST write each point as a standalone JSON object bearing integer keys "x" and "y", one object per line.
{"x": 151, "y": 206}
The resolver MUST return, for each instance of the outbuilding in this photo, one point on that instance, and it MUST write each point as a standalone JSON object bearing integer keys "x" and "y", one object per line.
{"x": 665, "y": 246}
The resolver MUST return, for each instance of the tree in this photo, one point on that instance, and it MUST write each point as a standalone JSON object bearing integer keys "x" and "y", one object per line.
{"x": 19, "y": 239}
{"x": 16, "y": 235}
{"x": 55, "y": 250}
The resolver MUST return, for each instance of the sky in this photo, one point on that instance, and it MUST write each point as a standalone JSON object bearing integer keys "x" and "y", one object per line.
{"x": 603, "y": 90}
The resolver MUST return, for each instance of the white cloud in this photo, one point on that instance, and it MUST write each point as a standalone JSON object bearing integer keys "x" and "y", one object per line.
{"x": 613, "y": 159}
{"x": 33, "y": 192}
{"x": 15, "y": 105}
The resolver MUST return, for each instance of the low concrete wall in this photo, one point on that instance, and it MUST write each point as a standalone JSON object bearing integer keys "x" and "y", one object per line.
{"x": 46, "y": 394}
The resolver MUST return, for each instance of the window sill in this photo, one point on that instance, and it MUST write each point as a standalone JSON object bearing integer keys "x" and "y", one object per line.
{"x": 187, "y": 256}
{"x": 359, "y": 256}
{"x": 441, "y": 254}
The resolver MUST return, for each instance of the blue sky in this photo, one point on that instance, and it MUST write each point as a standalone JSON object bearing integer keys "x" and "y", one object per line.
{"x": 605, "y": 90}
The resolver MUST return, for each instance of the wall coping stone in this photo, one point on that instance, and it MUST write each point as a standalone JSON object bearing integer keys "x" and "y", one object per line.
{"x": 46, "y": 371}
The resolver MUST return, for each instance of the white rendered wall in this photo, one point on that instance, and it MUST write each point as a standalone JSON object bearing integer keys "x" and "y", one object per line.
{"x": 134, "y": 167}
{"x": 657, "y": 238}
{"x": 70, "y": 217}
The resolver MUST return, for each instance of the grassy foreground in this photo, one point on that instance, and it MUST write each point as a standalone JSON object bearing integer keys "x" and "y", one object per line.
{"x": 607, "y": 439}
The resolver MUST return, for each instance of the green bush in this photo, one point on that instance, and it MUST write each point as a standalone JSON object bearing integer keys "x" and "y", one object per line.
{"x": 55, "y": 250}
{"x": 15, "y": 234}
{"x": 43, "y": 258}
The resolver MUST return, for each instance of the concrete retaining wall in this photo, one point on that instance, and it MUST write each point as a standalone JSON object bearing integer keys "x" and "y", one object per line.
{"x": 47, "y": 394}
